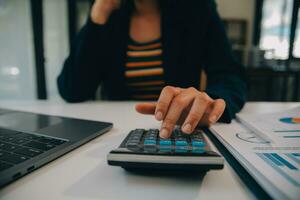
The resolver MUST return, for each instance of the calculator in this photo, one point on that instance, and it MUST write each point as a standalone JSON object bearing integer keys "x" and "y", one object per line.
{"x": 144, "y": 149}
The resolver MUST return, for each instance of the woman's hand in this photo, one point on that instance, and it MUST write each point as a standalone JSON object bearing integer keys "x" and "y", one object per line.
{"x": 102, "y": 9}
{"x": 187, "y": 107}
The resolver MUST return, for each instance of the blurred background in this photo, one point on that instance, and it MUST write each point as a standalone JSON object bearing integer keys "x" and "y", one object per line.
{"x": 35, "y": 38}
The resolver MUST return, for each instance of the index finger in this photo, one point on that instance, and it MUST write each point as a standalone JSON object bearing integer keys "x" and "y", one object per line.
{"x": 164, "y": 100}
{"x": 147, "y": 108}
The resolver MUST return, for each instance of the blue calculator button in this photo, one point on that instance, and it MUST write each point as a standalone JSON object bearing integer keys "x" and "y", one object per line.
{"x": 198, "y": 150}
{"x": 149, "y": 142}
{"x": 165, "y": 149}
{"x": 198, "y": 143}
{"x": 163, "y": 142}
{"x": 181, "y": 143}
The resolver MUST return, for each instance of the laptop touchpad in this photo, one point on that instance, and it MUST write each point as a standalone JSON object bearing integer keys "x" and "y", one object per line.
{"x": 27, "y": 121}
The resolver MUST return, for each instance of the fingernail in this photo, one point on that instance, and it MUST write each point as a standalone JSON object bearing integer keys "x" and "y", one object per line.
{"x": 213, "y": 119}
{"x": 187, "y": 128}
{"x": 164, "y": 133}
{"x": 159, "y": 116}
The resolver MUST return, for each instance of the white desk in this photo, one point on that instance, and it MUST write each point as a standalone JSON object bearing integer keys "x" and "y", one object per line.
{"x": 84, "y": 173}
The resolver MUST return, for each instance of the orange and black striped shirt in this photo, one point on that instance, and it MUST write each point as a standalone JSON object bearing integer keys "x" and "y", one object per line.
{"x": 144, "y": 70}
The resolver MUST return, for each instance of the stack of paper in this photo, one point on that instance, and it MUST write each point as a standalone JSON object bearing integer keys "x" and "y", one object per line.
{"x": 268, "y": 147}
{"x": 276, "y": 127}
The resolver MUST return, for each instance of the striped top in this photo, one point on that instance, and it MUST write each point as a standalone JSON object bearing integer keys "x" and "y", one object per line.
{"x": 144, "y": 71}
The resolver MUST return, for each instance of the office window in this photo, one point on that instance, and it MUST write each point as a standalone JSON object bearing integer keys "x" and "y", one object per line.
{"x": 56, "y": 38}
{"x": 296, "y": 51}
{"x": 56, "y": 42}
{"x": 275, "y": 28}
{"x": 17, "y": 67}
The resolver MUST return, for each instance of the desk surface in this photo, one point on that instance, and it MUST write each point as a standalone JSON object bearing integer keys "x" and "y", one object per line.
{"x": 84, "y": 173}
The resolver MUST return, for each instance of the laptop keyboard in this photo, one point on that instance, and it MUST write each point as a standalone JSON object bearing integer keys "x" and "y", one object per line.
{"x": 17, "y": 147}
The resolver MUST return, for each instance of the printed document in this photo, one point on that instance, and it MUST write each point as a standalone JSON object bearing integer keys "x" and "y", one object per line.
{"x": 281, "y": 127}
{"x": 275, "y": 166}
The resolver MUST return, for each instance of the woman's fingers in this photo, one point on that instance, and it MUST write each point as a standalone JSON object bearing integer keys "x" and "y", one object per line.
{"x": 217, "y": 111}
{"x": 178, "y": 104}
{"x": 145, "y": 108}
{"x": 164, "y": 100}
{"x": 213, "y": 113}
{"x": 197, "y": 108}
{"x": 161, "y": 107}
{"x": 197, "y": 111}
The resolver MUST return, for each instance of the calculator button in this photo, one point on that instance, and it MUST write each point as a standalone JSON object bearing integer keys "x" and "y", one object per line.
{"x": 177, "y": 133}
{"x": 147, "y": 142}
{"x": 134, "y": 141}
{"x": 197, "y": 136}
{"x": 132, "y": 144}
{"x": 153, "y": 135}
{"x": 153, "y": 131}
{"x": 137, "y": 136}
{"x": 198, "y": 143}
{"x": 198, "y": 150}
{"x": 181, "y": 149}
{"x": 165, "y": 142}
{"x": 150, "y": 147}
{"x": 197, "y": 139}
{"x": 150, "y": 138}
{"x": 165, "y": 149}
{"x": 181, "y": 143}
{"x": 138, "y": 132}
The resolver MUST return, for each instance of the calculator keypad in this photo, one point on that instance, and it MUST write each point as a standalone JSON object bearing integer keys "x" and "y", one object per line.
{"x": 149, "y": 141}
{"x": 134, "y": 139}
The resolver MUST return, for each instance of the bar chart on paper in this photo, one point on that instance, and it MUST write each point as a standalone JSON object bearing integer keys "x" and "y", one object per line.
{"x": 286, "y": 164}
{"x": 275, "y": 167}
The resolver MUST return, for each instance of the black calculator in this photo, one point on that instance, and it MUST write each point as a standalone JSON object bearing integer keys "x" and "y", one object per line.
{"x": 144, "y": 149}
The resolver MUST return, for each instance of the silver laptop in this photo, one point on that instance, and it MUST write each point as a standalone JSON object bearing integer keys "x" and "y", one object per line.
{"x": 29, "y": 141}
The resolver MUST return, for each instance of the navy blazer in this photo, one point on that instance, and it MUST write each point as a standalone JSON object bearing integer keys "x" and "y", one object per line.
{"x": 193, "y": 39}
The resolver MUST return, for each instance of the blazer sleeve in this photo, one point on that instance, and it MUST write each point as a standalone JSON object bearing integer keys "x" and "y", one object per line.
{"x": 226, "y": 78}
{"x": 82, "y": 71}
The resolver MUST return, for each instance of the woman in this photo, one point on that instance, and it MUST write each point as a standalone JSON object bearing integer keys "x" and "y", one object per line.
{"x": 156, "y": 50}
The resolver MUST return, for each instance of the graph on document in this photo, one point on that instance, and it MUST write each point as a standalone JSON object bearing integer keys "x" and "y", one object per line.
{"x": 286, "y": 164}
{"x": 274, "y": 126}
{"x": 290, "y": 120}
{"x": 287, "y": 133}
{"x": 287, "y": 127}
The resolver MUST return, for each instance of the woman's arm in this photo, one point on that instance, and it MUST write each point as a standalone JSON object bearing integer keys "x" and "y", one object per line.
{"x": 84, "y": 69}
{"x": 224, "y": 96}
{"x": 226, "y": 77}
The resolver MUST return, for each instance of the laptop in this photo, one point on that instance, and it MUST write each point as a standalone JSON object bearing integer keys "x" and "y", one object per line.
{"x": 29, "y": 141}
